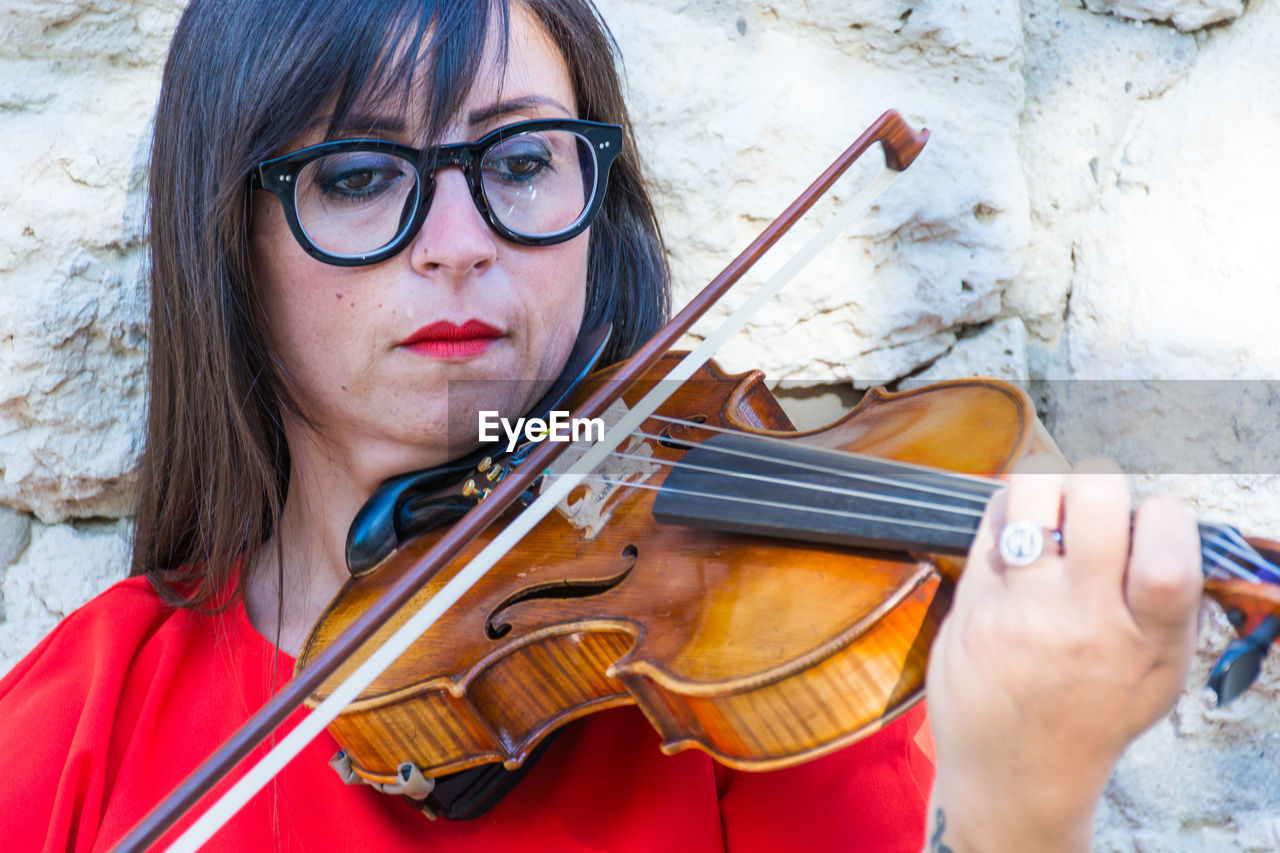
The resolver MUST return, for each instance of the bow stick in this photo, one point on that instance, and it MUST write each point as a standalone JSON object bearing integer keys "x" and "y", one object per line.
{"x": 901, "y": 146}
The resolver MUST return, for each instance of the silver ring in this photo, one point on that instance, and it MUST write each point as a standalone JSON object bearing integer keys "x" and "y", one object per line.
{"x": 1021, "y": 543}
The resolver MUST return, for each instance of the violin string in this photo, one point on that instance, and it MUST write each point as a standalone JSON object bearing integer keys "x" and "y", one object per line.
{"x": 1221, "y": 558}
{"x": 975, "y": 512}
{"x": 1226, "y": 539}
{"x": 1219, "y": 566}
{"x": 1238, "y": 547}
{"x": 1226, "y": 569}
{"x": 1230, "y": 549}
{"x": 987, "y": 484}
{"x": 655, "y": 487}
{"x": 782, "y": 505}
{"x": 794, "y": 484}
{"x": 1230, "y": 544}
{"x": 904, "y": 485}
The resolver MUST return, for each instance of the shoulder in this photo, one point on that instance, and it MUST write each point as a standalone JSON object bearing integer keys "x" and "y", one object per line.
{"x": 126, "y": 641}
{"x": 82, "y": 710}
{"x": 124, "y": 615}
{"x": 76, "y": 679}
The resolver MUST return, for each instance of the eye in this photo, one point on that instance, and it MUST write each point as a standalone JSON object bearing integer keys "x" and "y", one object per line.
{"x": 519, "y": 160}
{"x": 358, "y": 177}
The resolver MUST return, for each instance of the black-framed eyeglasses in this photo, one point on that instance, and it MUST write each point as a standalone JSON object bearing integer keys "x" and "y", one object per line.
{"x": 359, "y": 201}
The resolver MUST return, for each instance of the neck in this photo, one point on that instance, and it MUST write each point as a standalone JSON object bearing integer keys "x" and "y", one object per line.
{"x": 295, "y": 573}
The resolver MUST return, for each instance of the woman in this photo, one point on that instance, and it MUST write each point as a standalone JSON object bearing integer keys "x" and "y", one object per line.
{"x": 302, "y": 354}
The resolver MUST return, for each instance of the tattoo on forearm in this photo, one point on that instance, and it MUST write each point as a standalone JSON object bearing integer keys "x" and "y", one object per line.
{"x": 935, "y": 841}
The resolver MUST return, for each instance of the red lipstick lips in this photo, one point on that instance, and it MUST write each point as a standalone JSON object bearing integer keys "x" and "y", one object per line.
{"x": 445, "y": 340}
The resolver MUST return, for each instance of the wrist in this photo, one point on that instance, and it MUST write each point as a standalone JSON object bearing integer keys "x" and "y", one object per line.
{"x": 1035, "y": 816}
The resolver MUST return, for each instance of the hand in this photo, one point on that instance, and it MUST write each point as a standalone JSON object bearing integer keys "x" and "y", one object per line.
{"x": 1041, "y": 675}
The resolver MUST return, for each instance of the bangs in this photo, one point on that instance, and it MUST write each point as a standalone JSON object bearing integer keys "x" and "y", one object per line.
{"x": 416, "y": 58}
{"x": 420, "y": 65}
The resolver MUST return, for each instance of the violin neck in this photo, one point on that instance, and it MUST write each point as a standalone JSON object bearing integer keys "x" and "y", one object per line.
{"x": 738, "y": 483}
{"x": 746, "y": 484}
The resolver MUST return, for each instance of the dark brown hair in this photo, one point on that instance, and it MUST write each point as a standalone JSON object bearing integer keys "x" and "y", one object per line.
{"x": 243, "y": 78}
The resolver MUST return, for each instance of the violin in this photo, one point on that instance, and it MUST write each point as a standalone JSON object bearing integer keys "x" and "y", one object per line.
{"x": 700, "y": 645}
{"x": 765, "y": 595}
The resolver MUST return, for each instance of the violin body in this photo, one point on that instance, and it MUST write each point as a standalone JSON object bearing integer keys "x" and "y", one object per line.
{"x": 760, "y": 651}
{"x": 764, "y": 652}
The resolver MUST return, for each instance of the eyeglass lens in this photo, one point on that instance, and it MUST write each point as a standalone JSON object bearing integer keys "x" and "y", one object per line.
{"x": 536, "y": 184}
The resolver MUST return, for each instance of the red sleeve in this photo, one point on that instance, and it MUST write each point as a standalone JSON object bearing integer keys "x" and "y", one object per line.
{"x": 57, "y": 711}
{"x": 870, "y": 796}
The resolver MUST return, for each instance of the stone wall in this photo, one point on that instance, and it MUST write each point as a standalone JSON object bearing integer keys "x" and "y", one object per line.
{"x": 1095, "y": 204}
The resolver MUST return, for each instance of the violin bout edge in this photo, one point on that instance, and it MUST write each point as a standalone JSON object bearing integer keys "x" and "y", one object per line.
{"x": 774, "y": 723}
{"x": 814, "y": 712}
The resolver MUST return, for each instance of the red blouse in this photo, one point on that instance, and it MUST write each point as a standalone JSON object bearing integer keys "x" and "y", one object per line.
{"x": 116, "y": 706}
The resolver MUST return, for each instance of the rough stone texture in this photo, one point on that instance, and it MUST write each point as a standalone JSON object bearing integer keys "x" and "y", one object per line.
{"x": 15, "y": 535}
{"x": 1184, "y": 222}
{"x": 1085, "y": 77}
{"x": 61, "y": 569}
{"x": 999, "y": 349}
{"x": 729, "y": 147}
{"x": 1186, "y": 15}
{"x": 1095, "y": 204}
{"x": 77, "y": 88}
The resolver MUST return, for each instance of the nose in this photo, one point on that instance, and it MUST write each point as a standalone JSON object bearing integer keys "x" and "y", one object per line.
{"x": 454, "y": 240}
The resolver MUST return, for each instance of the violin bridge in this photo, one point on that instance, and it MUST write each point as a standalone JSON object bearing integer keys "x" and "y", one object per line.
{"x": 590, "y": 504}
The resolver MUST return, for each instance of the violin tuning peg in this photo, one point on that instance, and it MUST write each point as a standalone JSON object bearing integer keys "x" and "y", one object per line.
{"x": 484, "y": 464}
{"x": 495, "y": 473}
{"x": 471, "y": 490}
{"x": 1242, "y": 661}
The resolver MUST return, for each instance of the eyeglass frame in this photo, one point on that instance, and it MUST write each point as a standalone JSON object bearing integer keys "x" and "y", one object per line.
{"x": 278, "y": 176}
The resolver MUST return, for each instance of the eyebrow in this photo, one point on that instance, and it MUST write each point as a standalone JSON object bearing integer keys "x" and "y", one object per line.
{"x": 358, "y": 122}
{"x": 514, "y": 105}
{"x": 391, "y": 124}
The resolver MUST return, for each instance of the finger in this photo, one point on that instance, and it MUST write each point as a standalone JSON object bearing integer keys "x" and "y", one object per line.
{"x": 1035, "y": 495}
{"x": 1095, "y": 519}
{"x": 1164, "y": 581}
{"x": 1035, "y": 484}
{"x": 983, "y": 566}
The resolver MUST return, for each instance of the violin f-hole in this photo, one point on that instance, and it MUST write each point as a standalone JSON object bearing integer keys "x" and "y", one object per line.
{"x": 496, "y": 627}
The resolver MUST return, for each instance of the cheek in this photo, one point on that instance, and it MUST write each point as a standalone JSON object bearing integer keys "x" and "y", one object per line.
{"x": 272, "y": 258}
{"x": 312, "y": 309}
{"x": 558, "y": 296}
{"x": 564, "y": 280}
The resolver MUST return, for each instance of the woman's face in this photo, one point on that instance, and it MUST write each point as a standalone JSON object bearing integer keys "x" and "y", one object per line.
{"x": 365, "y": 347}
